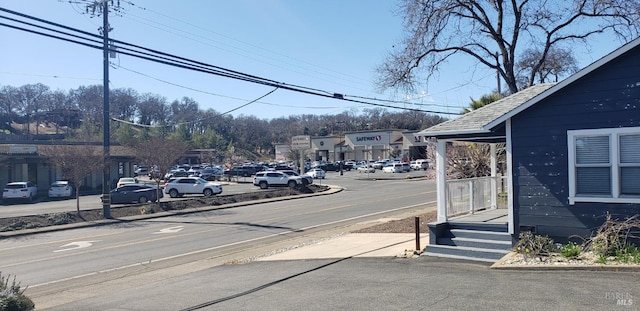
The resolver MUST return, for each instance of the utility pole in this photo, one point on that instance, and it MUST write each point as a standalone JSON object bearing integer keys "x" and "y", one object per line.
{"x": 102, "y": 6}
{"x": 106, "y": 173}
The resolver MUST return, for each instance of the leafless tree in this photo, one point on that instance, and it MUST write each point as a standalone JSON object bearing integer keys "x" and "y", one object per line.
{"x": 494, "y": 33}
{"x": 558, "y": 63}
{"x": 161, "y": 153}
{"x": 76, "y": 163}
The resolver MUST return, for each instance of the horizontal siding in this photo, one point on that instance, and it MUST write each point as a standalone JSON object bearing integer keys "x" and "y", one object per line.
{"x": 606, "y": 98}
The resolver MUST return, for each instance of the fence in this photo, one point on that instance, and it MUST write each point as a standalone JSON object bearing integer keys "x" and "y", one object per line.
{"x": 466, "y": 196}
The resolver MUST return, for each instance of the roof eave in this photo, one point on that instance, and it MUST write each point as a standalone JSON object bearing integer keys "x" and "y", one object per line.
{"x": 560, "y": 85}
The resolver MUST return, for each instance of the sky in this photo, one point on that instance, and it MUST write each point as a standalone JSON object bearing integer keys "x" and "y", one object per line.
{"x": 330, "y": 45}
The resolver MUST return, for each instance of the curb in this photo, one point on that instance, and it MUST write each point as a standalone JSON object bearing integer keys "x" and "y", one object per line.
{"x": 332, "y": 190}
{"x": 502, "y": 265}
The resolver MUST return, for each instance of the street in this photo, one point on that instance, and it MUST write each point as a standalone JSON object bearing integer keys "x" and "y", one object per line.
{"x": 64, "y": 260}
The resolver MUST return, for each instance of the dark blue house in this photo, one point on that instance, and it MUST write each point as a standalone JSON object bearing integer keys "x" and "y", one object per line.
{"x": 572, "y": 154}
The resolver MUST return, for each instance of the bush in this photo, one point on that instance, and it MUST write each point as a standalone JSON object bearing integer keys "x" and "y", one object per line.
{"x": 571, "y": 250}
{"x": 12, "y": 298}
{"x": 61, "y": 219}
{"x": 614, "y": 239}
{"x": 533, "y": 245}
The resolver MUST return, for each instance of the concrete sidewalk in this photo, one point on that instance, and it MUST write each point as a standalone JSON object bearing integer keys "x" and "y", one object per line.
{"x": 354, "y": 245}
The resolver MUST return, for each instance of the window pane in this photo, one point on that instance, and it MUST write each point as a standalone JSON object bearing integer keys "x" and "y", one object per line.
{"x": 629, "y": 177}
{"x": 592, "y": 150}
{"x": 630, "y": 148}
{"x": 593, "y": 180}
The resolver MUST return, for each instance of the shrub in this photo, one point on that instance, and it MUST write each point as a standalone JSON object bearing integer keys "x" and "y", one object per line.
{"x": 61, "y": 219}
{"x": 12, "y": 298}
{"x": 533, "y": 245}
{"x": 571, "y": 250}
{"x": 614, "y": 239}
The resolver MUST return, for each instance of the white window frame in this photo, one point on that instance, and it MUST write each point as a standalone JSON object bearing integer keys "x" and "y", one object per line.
{"x": 613, "y": 134}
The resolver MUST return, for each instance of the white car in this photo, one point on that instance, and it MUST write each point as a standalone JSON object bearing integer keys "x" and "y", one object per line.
{"x": 61, "y": 189}
{"x": 20, "y": 190}
{"x": 316, "y": 173}
{"x": 393, "y": 168}
{"x": 126, "y": 180}
{"x": 179, "y": 186}
{"x": 364, "y": 168}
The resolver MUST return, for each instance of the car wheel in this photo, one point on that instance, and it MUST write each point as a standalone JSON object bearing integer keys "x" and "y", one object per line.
{"x": 263, "y": 185}
{"x": 142, "y": 199}
{"x": 174, "y": 193}
{"x": 245, "y": 174}
{"x": 291, "y": 184}
{"x": 208, "y": 192}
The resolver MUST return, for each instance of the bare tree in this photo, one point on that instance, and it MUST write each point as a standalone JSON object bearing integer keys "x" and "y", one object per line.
{"x": 558, "y": 63}
{"x": 76, "y": 162}
{"x": 493, "y": 33}
{"x": 161, "y": 153}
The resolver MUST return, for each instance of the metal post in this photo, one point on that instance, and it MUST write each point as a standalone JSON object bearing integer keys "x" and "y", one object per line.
{"x": 417, "y": 219}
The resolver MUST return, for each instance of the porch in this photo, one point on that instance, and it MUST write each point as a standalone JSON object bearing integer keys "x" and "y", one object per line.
{"x": 476, "y": 221}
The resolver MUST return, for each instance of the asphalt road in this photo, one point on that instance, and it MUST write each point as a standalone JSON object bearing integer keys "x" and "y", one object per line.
{"x": 74, "y": 259}
{"x": 424, "y": 283}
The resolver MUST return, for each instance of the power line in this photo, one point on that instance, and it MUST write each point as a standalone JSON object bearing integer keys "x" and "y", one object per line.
{"x": 185, "y": 63}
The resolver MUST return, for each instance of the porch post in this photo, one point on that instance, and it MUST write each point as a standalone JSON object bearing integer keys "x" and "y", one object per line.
{"x": 494, "y": 174}
{"x": 441, "y": 176}
{"x": 511, "y": 224}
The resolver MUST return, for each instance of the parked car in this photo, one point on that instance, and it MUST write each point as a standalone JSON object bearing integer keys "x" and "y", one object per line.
{"x": 211, "y": 173}
{"x": 179, "y": 186}
{"x": 154, "y": 173}
{"x": 316, "y": 173}
{"x": 365, "y": 168}
{"x": 393, "y": 168}
{"x": 134, "y": 193}
{"x": 328, "y": 167}
{"x": 346, "y": 166}
{"x": 126, "y": 180}
{"x": 20, "y": 190}
{"x": 306, "y": 179}
{"x": 380, "y": 164}
{"x": 62, "y": 189}
{"x": 141, "y": 170}
{"x": 244, "y": 171}
{"x": 267, "y": 179}
{"x": 178, "y": 172}
{"x": 420, "y": 164}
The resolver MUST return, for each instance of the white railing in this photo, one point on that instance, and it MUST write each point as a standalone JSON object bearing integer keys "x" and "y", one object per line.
{"x": 466, "y": 196}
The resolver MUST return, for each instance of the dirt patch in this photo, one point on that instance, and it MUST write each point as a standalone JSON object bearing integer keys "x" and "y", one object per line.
{"x": 405, "y": 225}
{"x": 117, "y": 212}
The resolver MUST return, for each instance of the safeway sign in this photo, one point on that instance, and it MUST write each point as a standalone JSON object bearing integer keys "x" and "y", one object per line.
{"x": 301, "y": 142}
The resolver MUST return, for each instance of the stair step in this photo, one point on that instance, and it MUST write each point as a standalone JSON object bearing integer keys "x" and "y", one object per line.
{"x": 476, "y": 234}
{"x": 463, "y": 252}
{"x": 477, "y": 243}
{"x": 482, "y": 226}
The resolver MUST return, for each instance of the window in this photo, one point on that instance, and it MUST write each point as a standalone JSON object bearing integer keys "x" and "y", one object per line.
{"x": 604, "y": 165}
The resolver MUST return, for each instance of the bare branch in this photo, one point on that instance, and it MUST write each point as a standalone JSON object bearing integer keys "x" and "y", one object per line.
{"x": 438, "y": 29}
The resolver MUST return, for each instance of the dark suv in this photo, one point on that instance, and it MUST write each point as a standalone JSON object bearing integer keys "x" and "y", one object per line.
{"x": 244, "y": 170}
